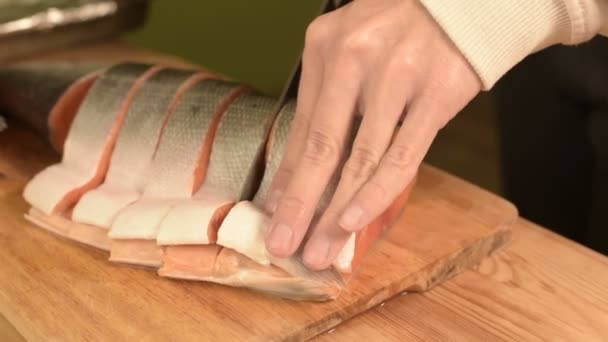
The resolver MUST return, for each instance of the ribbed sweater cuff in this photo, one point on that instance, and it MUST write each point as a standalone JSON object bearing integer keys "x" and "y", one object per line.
{"x": 495, "y": 35}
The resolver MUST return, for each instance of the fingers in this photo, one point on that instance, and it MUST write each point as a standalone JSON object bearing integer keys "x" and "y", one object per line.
{"x": 397, "y": 168}
{"x": 386, "y": 105}
{"x": 319, "y": 157}
{"x": 308, "y": 92}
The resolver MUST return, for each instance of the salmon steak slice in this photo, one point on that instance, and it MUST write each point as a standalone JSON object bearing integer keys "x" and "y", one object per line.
{"x": 135, "y": 146}
{"x": 170, "y": 169}
{"x": 220, "y": 265}
{"x": 248, "y": 239}
{"x": 246, "y": 261}
{"x": 89, "y": 143}
{"x": 233, "y": 173}
{"x": 178, "y": 169}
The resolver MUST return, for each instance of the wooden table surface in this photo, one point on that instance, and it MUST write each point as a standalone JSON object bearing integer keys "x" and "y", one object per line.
{"x": 541, "y": 287}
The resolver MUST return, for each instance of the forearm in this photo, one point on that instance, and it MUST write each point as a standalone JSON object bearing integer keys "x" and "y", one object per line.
{"x": 496, "y": 35}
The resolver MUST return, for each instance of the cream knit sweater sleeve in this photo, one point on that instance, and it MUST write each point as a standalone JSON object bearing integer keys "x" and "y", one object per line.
{"x": 494, "y": 35}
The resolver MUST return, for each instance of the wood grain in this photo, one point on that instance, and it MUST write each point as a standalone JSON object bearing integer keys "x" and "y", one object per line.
{"x": 54, "y": 289}
{"x": 8, "y": 333}
{"x": 448, "y": 227}
{"x": 542, "y": 288}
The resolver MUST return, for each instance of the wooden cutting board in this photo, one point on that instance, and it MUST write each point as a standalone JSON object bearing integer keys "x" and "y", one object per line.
{"x": 53, "y": 289}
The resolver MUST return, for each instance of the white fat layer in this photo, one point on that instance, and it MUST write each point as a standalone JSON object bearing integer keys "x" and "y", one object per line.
{"x": 49, "y": 187}
{"x": 141, "y": 219}
{"x": 188, "y": 222}
{"x": 244, "y": 230}
{"x": 100, "y": 206}
{"x": 87, "y": 139}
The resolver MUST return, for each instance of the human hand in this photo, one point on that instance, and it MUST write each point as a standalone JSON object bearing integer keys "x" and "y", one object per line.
{"x": 389, "y": 61}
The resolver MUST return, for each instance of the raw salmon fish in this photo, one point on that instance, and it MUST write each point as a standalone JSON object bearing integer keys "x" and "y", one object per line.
{"x": 178, "y": 165}
{"x": 89, "y": 145}
{"x": 46, "y": 96}
{"x": 243, "y": 261}
{"x": 233, "y": 173}
{"x": 244, "y": 229}
{"x": 177, "y": 171}
{"x": 135, "y": 146}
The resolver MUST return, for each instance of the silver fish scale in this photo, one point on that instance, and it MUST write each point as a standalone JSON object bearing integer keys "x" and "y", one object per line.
{"x": 141, "y": 129}
{"x": 275, "y": 150}
{"x": 99, "y": 110}
{"x": 182, "y": 139}
{"x": 239, "y": 145}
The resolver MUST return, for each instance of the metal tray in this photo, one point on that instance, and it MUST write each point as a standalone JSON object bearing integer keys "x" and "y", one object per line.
{"x": 33, "y": 26}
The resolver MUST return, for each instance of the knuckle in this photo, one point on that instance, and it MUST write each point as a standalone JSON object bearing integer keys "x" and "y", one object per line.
{"x": 293, "y": 205}
{"x": 400, "y": 157}
{"x": 409, "y": 58}
{"x": 361, "y": 42}
{"x": 321, "y": 148}
{"x": 283, "y": 174}
{"x": 362, "y": 163}
{"x": 300, "y": 121}
{"x": 317, "y": 31}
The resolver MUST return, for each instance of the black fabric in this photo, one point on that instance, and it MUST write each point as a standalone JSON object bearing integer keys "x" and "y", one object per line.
{"x": 553, "y": 133}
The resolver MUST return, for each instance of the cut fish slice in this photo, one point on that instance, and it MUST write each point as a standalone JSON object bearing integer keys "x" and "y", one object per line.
{"x": 135, "y": 147}
{"x": 246, "y": 236}
{"x": 90, "y": 141}
{"x": 178, "y": 169}
{"x": 244, "y": 229}
{"x": 225, "y": 266}
{"x": 79, "y": 171}
{"x": 244, "y": 262}
{"x": 233, "y": 173}
{"x": 64, "y": 227}
{"x": 63, "y": 113}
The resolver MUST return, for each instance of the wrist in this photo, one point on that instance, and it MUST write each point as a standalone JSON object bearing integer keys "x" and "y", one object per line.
{"x": 495, "y": 35}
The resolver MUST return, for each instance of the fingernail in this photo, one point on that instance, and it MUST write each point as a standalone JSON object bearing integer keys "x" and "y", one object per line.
{"x": 273, "y": 200}
{"x": 280, "y": 238}
{"x": 317, "y": 255}
{"x": 350, "y": 218}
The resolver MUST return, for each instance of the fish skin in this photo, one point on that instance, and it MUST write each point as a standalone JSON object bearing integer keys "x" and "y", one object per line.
{"x": 244, "y": 260}
{"x": 179, "y": 165}
{"x": 58, "y": 187}
{"x": 281, "y": 277}
{"x": 172, "y": 172}
{"x": 29, "y": 91}
{"x": 233, "y": 173}
{"x": 275, "y": 148}
{"x": 245, "y": 125}
{"x": 256, "y": 248}
{"x": 124, "y": 183}
{"x": 135, "y": 147}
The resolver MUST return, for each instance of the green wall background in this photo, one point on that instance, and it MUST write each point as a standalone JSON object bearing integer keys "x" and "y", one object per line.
{"x": 253, "y": 41}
